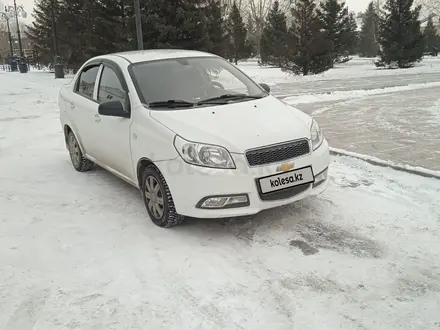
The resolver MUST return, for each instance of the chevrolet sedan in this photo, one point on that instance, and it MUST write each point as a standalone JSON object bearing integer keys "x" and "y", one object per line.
{"x": 193, "y": 133}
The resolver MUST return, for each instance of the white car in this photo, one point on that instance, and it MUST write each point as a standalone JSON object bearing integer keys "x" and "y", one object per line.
{"x": 195, "y": 134}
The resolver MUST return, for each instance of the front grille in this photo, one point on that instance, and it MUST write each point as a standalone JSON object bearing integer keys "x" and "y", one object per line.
{"x": 278, "y": 153}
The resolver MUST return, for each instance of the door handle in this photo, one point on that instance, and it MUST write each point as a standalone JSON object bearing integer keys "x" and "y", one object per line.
{"x": 97, "y": 118}
{"x": 72, "y": 105}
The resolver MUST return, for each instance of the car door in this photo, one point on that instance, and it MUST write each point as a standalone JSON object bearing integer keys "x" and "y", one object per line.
{"x": 83, "y": 105}
{"x": 113, "y": 133}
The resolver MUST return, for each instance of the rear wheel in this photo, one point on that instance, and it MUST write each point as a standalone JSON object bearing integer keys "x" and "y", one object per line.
{"x": 79, "y": 162}
{"x": 158, "y": 200}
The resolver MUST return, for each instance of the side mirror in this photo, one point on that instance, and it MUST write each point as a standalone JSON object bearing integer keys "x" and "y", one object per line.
{"x": 265, "y": 87}
{"x": 113, "y": 109}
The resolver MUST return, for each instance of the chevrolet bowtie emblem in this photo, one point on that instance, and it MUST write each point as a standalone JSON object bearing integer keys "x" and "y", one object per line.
{"x": 285, "y": 167}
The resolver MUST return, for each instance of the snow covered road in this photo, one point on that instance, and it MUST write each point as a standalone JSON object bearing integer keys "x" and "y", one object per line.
{"x": 77, "y": 251}
{"x": 400, "y": 126}
{"x": 391, "y": 114}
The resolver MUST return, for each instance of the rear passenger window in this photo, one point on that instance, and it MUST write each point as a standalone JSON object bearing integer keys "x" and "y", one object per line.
{"x": 87, "y": 81}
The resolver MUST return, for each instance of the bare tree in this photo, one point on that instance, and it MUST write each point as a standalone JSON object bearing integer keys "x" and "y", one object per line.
{"x": 227, "y": 5}
{"x": 259, "y": 10}
{"x": 13, "y": 26}
{"x": 430, "y": 7}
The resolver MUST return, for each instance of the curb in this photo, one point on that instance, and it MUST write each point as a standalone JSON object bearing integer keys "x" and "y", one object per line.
{"x": 379, "y": 162}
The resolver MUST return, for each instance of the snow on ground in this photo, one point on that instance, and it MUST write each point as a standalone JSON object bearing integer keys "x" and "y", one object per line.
{"x": 78, "y": 251}
{"x": 354, "y": 94}
{"x": 435, "y": 112}
{"x": 380, "y": 162}
{"x": 357, "y": 67}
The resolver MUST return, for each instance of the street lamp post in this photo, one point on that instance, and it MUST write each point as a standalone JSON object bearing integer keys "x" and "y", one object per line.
{"x": 18, "y": 28}
{"x": 57, "y": 63}
{"x": 137, "y": 13}
{"x": 19, "y": 11}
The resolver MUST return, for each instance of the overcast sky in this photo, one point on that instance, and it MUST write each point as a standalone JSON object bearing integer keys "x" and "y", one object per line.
{"x": 357, "y": 5}
{"x": 353, "y": 5}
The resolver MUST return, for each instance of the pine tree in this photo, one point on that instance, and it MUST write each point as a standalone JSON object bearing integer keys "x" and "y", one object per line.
{"x": 368, "y": 43}
{"x": 273, "y": 40}
{"x": 87, "y": 28}
{"x": 112, "y": 32}
{"x": 401, "y": 38}
{"x": 334, "y": 19}
{"x": 40, "y": 32}
{"x": 432, "y": 39}
{"x": 252, "y": 35}
{"x": 215, "y": 28}
{"x": 308, "y": 48}
{"x": 238, "y": 45}
{"x": 84, "y": 29}
{"x": 351, "y": 35}
{"x": 174, "y": 24}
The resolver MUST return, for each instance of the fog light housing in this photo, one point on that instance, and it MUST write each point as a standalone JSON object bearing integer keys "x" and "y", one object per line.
{"x": 224, "y": 202}
{"x": 320, "y": 178}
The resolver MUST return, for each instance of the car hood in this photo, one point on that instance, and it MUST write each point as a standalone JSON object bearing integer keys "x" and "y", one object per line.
{"x": 238, "y": 126}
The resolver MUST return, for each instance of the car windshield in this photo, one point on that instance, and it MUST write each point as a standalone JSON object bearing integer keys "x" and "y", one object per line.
{"x": 181, "y": 82}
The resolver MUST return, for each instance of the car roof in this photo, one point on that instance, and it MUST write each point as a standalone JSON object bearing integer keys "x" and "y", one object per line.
{"x": 137, "y": 56}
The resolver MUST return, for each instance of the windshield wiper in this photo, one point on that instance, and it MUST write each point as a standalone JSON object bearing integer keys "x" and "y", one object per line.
{"x": 171, "y": 104}
{"x": 229, "y": 97}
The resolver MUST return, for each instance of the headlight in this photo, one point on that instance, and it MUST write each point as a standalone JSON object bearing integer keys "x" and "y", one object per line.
{"x": 316, "y": 134}
{"x": 203, "y": 154}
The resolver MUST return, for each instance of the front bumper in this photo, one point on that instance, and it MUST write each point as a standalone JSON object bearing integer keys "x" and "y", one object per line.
{"x": 190, "y": 184}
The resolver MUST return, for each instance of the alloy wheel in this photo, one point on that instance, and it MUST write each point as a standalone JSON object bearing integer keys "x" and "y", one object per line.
{"x": 74, "y": 151}
{"x": 154, "y": 197}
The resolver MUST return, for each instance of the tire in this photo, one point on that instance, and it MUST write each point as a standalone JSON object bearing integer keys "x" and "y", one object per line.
{"x": 158, "y": 200}
{"x": 79, "y": 162}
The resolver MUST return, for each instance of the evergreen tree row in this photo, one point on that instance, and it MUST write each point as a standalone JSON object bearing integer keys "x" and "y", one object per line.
{"x": 87, "y": 28}
{"x": 395, "y": 35}
{"x": 432, "y": 38}
{"x": 316, "y": 39}
{"x": 311, "y": 39}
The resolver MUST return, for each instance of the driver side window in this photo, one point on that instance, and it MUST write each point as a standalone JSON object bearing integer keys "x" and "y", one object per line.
{"x": 222, "y": 78}
{"x": 110, "y": 88}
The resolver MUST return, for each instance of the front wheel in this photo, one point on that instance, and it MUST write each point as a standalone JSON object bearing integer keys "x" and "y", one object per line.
{"x": 158, "y": 200}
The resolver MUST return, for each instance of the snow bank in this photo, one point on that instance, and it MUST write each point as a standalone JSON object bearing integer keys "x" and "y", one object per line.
{"x": 342, "y": 95}
{"x": 357, "y": 67}
{"x": 386, "y": 163}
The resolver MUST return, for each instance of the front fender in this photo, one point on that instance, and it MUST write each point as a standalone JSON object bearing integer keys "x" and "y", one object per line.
{"x": 150, "y": 139}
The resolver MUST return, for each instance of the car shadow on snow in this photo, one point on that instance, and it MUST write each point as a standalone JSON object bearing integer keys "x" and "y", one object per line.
{"x": 308, "y": 225}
